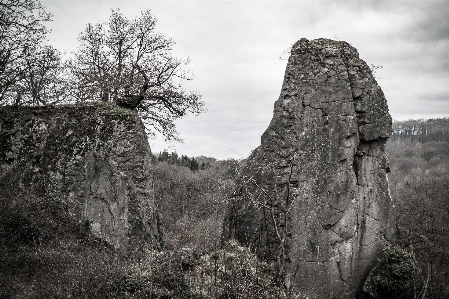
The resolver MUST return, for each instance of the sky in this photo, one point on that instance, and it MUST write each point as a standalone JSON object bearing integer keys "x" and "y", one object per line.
{"x": 238, "y": 56}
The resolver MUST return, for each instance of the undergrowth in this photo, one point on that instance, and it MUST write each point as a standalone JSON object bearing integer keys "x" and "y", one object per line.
{"x": 45, "y": 254}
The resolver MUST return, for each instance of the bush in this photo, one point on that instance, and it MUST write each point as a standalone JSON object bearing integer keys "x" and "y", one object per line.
{"x": 393, "y": 275}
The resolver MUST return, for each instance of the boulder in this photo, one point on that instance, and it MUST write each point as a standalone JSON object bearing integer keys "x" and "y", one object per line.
{"x": 314, "y": 195}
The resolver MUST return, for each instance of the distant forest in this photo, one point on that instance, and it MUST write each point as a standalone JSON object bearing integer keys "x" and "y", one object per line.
{"x": 418, "y": 151}
{"x": 421, "y": 130}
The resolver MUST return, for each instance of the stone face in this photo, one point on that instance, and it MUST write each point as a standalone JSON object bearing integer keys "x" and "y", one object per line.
{"x": 95, "y": 158}
{"x": 317, "y": 186}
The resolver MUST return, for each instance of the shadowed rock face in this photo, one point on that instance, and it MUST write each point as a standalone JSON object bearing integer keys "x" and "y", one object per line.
{"x": 94, "y": 158}
{"x": 321, "y": 206}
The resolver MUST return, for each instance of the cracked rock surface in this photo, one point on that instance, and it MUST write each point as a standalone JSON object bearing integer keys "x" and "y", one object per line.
{"x": 321, "y": 204}
{"x": 94, "y": 158}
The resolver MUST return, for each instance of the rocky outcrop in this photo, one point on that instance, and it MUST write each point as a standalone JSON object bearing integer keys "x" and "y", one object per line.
{"x": 94, "y": 158}
{"x": 315, "y": 195}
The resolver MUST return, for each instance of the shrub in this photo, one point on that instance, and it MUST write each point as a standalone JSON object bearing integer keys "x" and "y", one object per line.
{"x": 393, "y": 275}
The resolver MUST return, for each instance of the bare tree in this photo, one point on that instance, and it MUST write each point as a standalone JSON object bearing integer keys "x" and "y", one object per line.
{"x": 43, "y": 79}
{"x": 260, "y": 191}
{"x": 22, "y": 33}
{"x": 127, "y": 62}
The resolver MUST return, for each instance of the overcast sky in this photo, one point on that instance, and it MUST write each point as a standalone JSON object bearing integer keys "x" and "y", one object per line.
{"x": 235, "y": 49}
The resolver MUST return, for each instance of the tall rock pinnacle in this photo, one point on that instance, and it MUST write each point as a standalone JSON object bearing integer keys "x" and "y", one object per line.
{"x": 320, "y": 204}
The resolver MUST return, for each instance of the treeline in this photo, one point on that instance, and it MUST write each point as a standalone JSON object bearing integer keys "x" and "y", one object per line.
{"x": 421, "y": 130}
{"x": 174, "y": 159}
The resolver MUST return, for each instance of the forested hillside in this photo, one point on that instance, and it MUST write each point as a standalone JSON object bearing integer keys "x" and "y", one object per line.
{"x": 192, "y": 195}
{"x": 419, "y": 181}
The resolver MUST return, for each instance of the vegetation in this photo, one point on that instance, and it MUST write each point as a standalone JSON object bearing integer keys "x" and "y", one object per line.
{"x": 418, "y": 184}
{"x": 30, "y": 69}
{"x": 394, "y": 275}
{"x": 127, "y": 61}
{"x": 185, "y": 161}
{"x": 416, "y": 266}
{"x": 421, "y": 130}
{"x": 263, "y": 192}
{"x": 45, "y": 255}
{"x": 192, "y": 199}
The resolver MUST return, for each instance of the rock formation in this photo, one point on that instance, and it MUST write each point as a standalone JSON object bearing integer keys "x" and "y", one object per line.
{"x": 315, "y": 194}
{"x": 94, "y": 158}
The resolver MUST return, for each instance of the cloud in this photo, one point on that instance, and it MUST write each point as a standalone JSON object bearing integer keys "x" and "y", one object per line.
{"x": 430, "y": 22}
{"x": 235, "y": 48}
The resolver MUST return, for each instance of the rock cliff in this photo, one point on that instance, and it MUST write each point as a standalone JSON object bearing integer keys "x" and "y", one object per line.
{"x": 315, "y": 195}
{"x": 94, "y": 158}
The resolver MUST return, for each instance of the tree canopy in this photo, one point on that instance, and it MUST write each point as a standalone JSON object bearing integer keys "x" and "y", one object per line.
{"x": 30, "y": 69}
{"x": 127, "y": 62}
